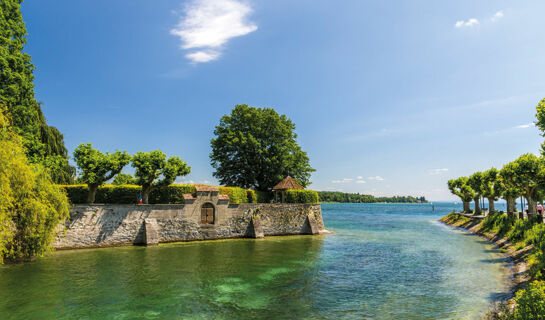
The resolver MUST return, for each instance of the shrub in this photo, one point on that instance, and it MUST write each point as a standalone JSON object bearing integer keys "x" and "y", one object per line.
{"x": 531, "y": 302}
{"x": 170, "y": 194}
{"x": 497, "y": 222}
{"x": 518, "y": 232}
{"x": 264, "y": 196}
{"x": 236, "y": 195}
{"x": 302, "y": 196}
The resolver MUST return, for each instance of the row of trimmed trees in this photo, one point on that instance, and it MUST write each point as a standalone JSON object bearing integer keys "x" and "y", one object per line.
{"x": 523, "y": 177}
{"x": 151, "y": 168}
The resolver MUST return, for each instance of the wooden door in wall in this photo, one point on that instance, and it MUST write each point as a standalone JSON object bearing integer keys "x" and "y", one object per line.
{"x": 207, "y": 213}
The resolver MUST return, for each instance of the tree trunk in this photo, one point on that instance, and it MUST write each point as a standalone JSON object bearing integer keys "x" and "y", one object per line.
{"x": 532, "y": 207}
{"x": 466, "y": 207}
{"x": 491, "y": 207}
{"x": 477, "y": 206}
{"x": 146, "y": 190}
{"x": 92, "y": 193}
{"x": 511, "y": 206}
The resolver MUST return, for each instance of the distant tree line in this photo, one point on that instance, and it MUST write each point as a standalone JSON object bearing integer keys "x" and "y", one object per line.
{"x": 342, "y": 197}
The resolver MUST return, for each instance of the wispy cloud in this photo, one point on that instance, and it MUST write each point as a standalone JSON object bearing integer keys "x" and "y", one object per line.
{"x": 360, "y": 181}
{"x": 207, "y": 25}
{"x": 469, "y": 23}
{"x": 497, "y": 16}
{"x": 345, "y": 180}
{"x": 525, "y": 126}
{"x": 376, "y": 178}
{"x": 438, "y": 171}
{"x": 510, "y": 129}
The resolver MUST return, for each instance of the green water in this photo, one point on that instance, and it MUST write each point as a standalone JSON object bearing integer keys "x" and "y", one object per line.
{"x": 383, "y": 262}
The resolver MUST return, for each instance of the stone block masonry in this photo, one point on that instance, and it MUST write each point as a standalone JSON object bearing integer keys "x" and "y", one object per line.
{"x": 206, "y": 216}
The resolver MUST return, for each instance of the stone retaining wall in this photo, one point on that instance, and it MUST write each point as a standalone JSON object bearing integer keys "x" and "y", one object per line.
{"x": 113, "y": 225}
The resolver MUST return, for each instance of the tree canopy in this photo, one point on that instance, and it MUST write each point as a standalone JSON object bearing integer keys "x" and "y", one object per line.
{"x": 17, "y": 95}
{"x": 124, "y": 178}
{"x": 153, "y": 165}
{"x": 257, "y": 148}
{"x": 97, "y": 168}
{"x": 31, "y": 206}
{"x": 492, "y": 186}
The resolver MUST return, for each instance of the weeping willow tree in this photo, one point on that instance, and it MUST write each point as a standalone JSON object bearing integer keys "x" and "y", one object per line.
{"x": 43, "y": 143}
{"x": 31, "y": 205}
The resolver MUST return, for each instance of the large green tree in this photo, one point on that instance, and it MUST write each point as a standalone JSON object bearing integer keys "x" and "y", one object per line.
{"x": 540, "y": 116}
{"x": 526, "y": 174}
{"x": 257, "y": 148}
{"x": 475, "y": 181}
{"x": 17, "y": 95}
{"x": 492, "y": 187}
{"x": 153, "y": 168}
{"x": 31, "y": 206}
{"x": 97, "y": 168}
{"x": 460, "y": 188}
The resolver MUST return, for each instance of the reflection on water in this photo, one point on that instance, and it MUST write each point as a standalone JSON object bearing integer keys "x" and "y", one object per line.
{"x": 383, "y": 262}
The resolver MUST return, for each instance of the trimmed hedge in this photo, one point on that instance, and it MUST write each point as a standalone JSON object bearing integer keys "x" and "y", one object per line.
{"x": 128, "y": 194}
{"x": 302, "y": 196}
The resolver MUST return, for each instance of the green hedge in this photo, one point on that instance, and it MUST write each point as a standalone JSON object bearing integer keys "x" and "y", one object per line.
{"x": 302, "y": 196}
{"x": 128, "y": 194}
{"x": 236, "y": 195}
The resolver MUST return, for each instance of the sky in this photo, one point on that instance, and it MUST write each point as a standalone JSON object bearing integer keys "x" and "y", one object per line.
{"x": 388, "y": 97}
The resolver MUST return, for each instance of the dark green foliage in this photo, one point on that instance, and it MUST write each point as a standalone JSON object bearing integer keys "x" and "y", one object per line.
{"x": 255, "y": 148}
{"x": 302, "y": 196}
{"x": 17, "y": 95}
{"x": 170, "y": 194}
{"x": 264, "y": 196}
{"x": 342, "y": 197}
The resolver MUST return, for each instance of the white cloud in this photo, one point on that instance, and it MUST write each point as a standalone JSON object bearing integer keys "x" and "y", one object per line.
{"x": 360, "y": 181}
{"x": 207, "y": 25}
{"x": 469, "y": 23}
{"x": 525, "y": 126}
{"x": 345, "y": 180}
{"x": 438, "y": 171}
{"x": 497, "y": 16}
{"x": 376, "y": 178}
{"x": 359, "y": 178}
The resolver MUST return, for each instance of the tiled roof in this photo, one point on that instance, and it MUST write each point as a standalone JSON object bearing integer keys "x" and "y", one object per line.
{"x": 223, "y": 197}
{"x": 206, "y": 189}
{"x": 287, "y": 183}
{"x": 189, "y": 196}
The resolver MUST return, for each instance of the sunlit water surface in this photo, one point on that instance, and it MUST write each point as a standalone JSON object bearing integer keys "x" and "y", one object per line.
{"x": 383, "y": 262}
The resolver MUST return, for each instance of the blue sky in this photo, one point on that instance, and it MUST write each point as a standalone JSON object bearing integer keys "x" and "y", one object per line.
{"x": 389, "y": 97}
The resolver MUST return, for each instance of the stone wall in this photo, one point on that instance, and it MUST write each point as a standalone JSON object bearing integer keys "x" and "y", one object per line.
{"x": 113, "y": 225}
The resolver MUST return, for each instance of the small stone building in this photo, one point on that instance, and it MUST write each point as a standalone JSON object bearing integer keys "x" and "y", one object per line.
{"x": 284, "y": 185}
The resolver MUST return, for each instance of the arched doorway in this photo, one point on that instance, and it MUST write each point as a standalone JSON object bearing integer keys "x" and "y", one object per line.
{"x": 207, "y": 213}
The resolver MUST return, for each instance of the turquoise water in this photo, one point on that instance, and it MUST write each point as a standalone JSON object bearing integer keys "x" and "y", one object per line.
{"x": 383, "y": 262}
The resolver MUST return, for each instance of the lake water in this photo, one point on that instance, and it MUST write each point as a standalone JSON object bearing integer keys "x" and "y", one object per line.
{"x": 383, "y": 262}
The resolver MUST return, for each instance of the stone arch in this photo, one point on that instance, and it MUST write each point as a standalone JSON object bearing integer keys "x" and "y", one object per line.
{"x": 208, "y": 213}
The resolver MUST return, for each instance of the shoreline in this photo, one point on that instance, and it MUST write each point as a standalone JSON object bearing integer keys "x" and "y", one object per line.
{"x": 516, "y": 264}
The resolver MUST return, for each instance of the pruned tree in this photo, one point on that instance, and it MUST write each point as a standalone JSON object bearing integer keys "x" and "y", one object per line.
{"x": 257, "y": 148}
{"x": 492, "y": 187}
{"x": 475, "y": 181}
{"x": 510, "y": 193}
{"x": 460, "y": 188}
{"x": 527, "y": 175}
{"x": 152, "y": 168}
{"x": 97, "y": 168}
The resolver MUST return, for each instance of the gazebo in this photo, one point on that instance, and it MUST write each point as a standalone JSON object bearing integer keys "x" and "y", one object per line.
{"x": 282, "y": 186}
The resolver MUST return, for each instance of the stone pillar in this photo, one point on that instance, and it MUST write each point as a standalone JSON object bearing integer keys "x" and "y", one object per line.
{"x": 151, "y": 235}
{"x": 255, "y": 228}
